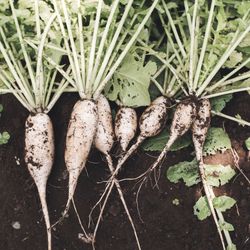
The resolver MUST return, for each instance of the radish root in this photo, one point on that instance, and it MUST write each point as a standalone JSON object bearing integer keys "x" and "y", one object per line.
{"x": 39, "y": 157}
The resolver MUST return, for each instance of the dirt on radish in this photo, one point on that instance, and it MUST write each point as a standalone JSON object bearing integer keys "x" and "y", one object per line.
{"x": 165, "y": 224}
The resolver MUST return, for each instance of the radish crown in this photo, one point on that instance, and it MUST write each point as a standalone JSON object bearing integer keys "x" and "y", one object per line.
{"x": 33, "y": 84}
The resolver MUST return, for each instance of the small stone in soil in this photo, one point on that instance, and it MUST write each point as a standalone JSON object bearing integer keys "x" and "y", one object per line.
{"x": 16, "y": 225}
{"x": 17, "y": 161}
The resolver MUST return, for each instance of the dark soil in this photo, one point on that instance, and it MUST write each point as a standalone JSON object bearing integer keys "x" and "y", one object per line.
{"x": 165, "y": 226}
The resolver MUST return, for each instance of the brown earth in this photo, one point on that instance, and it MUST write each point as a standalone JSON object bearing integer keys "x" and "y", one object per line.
{"x": 165, "y": 226}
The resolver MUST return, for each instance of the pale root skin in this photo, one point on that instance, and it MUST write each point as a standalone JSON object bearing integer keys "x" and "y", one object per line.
{"x": 104, "y": 137}
{"x": 125, "y": 126}
{"x": 199, "y": 132}
{"x": 104, "y": 140}
{"x": 154, "y": 117}
{"x": 184, "y": 116}
{"x": 39, "y": 157}
{"x": 151, "y": 123}
{"x": 79, "y": 139}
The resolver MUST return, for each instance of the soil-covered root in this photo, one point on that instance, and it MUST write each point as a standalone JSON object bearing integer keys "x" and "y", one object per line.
{"x": 125, "y": 126}
{"x": 199, "y": 132}
{"x": 151, "y": 123}
{"x": 80, "y": 135}
{"x": 182, "y": 121}
{"x": 104, "y": 140}
{"x": 39, "y": 157}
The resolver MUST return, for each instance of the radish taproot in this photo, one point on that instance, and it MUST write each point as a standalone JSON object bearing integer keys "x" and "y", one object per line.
{"x": 31, "y": 81}
{"x": 199, "y": 132}
{"x": 104, "y": 140}
{"x": 196, "y": 68}
{"x": 80, "y": 135}
{"x": 39, "y": 157}
{"x": 182, "y": 121}
{"x": 125, "y": 126}
{"x": 151, "y": 123}
{"x": 91, "y": 69}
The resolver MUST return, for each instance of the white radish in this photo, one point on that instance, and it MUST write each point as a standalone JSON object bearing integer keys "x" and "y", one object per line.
{"x": 151, "y": 123}
{"x": 104, "y": 140}
{"x": 104, "y": 137}
{"x": 125, "y": 126}
{"x": 199, "y": 132}
{"x": 39, "y": 157}
{"x": 80, "y": 135}
{"x": 184, "y": 116}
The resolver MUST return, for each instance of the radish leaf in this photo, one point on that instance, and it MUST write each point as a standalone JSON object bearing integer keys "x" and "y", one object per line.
{"x": 4, "y": 138}
{"x": 131, "y": 82}
{"x": 218, "y": 175}
{"x": 217, "y": 140}
{"x": 201, "y": 208}
{"x": 188, "y": 171}
{"x": 219, "y": 103}
{"x": 226, "y": 226}
{"x": 223, "y": 203}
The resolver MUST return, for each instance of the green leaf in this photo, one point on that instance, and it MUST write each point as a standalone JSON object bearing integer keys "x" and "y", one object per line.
{"x": 219, "y": 103}
{"x": 247, "y": 143}
{"x": 217, "y": 140}
{"x": 234, "y": 59}
{"x": 188, "y": 171}
{"x": 226, "y": 226}
{"x": 4, "y": 138}
{"x": 201, "y": 208}
{"x": 1, "y": 108}
{"x": 223, "y": 203}
{"x": 131, "y": 82}
{"x": 218, "y": 175}
{"x": 158, "y": 142}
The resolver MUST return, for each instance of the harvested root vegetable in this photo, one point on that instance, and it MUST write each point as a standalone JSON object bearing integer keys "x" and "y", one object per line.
{"x": 151, "y": 123}
{"x": 104, "y": 140}
{"x": 79, "y": 138}
{"x": 199, "y": 132}
{"x": 39, "y": 157}
{"x": 125, "y": 126}
{"x": 183, "y": 119}
{"x": 104, "y": 137}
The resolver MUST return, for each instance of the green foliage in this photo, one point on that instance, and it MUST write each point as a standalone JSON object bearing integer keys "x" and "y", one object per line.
{"x": 247, "y": 143}
{"x": 158, "y": 142}
{"x": 219, "y": 103}
{"x": 217, "y": 140}
{"x": 201, "y": 208}
{"x": 223, "y": 203}
{"x": 187, "y": 171}
{"x": 218, "y": 175}
{"x": 4, "y": 138}
{"x": 226, "y": 226}
{"x": 131, "y": 82}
